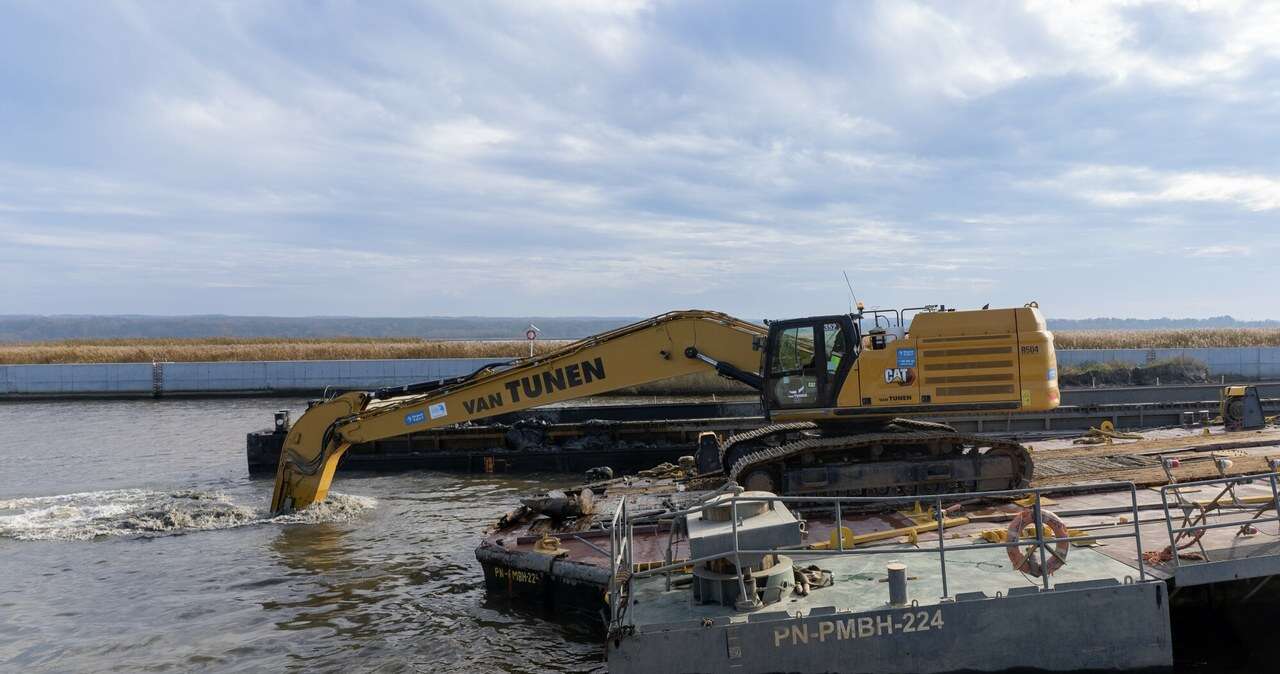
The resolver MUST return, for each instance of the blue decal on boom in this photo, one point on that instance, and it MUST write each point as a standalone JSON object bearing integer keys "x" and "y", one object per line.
{"x": 906, "y": 357}
{"x": 415, "y": 418}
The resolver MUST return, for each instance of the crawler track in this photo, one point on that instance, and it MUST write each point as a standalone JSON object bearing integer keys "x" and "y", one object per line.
{"x": 896, "y": 462}
{"x": 762, "y": 435}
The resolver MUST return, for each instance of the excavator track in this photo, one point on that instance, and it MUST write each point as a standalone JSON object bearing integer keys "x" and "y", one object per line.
{"x": 890, "y": 463}
{"x": 762, "y": 434}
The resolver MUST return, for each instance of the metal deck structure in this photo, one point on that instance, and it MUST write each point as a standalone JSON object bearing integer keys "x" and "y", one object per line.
{"x": 1182, "y": 518}
{"x": 969, "y": 610}
{"x": 1108, "y": 607}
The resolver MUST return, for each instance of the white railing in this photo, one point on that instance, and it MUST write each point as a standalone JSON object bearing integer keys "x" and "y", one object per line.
{"x": 620, "y": 563}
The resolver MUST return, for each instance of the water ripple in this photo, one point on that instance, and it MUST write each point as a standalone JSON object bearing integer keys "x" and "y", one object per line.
{"x": 148, "y": 513}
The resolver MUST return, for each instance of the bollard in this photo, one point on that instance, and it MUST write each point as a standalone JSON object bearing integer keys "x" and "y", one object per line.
{"x": 897, "y": 583}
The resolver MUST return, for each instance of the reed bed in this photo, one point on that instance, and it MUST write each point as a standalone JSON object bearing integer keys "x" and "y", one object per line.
{"x": 144, "y": 350}
{"x": 236, "y": 349}
{"x": 1167, "y": 339}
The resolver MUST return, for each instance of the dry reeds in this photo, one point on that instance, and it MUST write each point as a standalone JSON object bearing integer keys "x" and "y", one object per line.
{"x": 253, "y": 349}
{"x": 146, "y": 350}
{"x": 1166, "y": 339}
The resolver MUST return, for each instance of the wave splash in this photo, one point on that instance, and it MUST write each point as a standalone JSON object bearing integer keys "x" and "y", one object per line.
{"x": 146, "y": 513}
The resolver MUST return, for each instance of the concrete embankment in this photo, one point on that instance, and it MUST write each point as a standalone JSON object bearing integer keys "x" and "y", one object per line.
{"x": 313, "y": 377}
{"x": 268, "y": 378}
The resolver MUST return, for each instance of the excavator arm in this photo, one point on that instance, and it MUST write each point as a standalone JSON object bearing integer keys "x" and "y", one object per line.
{"x": 670, "y": 345}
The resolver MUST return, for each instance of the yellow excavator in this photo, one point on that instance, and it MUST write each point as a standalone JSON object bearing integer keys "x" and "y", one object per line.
{"x": 837, "y": 389}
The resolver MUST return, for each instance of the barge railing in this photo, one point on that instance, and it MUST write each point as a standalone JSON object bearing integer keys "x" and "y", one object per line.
{"x": 621, "y": 565}
{"x": 619, "y": 584}
{"x": 1227, "y": 510}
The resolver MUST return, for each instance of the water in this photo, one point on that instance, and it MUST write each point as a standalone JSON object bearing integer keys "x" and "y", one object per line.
{"x": 132, "y": 539}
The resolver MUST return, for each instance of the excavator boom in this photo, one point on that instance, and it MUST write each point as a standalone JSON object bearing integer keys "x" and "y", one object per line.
{"x": 670, "y": 345}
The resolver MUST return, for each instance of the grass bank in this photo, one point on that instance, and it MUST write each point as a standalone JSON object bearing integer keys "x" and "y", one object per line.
{"x": 1166, "y": 371}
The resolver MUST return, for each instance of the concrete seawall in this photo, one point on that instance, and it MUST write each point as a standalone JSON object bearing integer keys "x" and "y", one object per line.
{"x": 283, "y": 377}
{"x": 314, "y": 376}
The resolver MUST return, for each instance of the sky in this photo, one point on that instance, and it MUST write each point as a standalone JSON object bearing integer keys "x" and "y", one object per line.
{"x": 625, "y": 158}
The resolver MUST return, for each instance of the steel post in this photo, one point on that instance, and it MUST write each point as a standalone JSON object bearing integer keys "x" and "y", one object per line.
{"x": 1137, "y": 533}
{"x": 1044, "y": 566}
{"x": 942, "y": 546}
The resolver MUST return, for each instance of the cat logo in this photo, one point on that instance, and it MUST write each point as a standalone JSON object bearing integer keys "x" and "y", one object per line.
{"x": 902, "y": 376}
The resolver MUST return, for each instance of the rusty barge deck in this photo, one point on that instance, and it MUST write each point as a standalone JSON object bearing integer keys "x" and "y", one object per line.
{"x": 571, "y": 571}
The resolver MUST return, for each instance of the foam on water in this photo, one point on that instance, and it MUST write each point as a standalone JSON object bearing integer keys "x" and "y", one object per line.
{"x": 147, "y": 513}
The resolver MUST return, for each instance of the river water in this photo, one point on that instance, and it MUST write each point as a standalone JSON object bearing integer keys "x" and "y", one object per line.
{"x": 132, "y": 539}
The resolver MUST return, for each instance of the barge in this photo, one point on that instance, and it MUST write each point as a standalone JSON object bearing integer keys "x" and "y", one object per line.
{"x": 1138, "y": 538}
{"x": 635, "y": 435}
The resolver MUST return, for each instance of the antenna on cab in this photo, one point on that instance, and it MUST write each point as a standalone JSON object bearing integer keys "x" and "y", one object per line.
{"x": 853, "y": 298}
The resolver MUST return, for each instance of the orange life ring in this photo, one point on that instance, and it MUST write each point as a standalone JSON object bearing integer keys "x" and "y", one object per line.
{"x": 1027, "y": 560}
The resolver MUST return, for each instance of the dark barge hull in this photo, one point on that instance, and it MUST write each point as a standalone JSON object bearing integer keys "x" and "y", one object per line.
{"x": 633, "y": 437}
{"x": 556, "y": 585}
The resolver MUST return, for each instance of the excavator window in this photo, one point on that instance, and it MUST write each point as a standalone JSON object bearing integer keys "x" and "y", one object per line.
{"x": 795, "y": 351}
{"x": 793, "y": 371}
{"x": 833, "y": 339}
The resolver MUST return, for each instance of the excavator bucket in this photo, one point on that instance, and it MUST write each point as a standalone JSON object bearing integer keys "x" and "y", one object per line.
{"x": 310, "y": 454}
{"x": 296, "y": 489}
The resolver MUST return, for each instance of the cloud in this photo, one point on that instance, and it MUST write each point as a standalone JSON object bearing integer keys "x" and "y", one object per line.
{"x": 1219, "y": 251}
{"x": 1169, "y": 44}
{"x": 89, "y": 240}
{"x": 619, "y": 157}
{"x": 1132, "y": 186}
{"x": 462, "y": 137}
{"x": 949, "y": 54}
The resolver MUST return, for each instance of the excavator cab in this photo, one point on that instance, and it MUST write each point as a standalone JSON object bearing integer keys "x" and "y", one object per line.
{"x": 807, "y": 361}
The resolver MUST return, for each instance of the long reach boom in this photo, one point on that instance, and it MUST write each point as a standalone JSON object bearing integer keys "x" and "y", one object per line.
{"x": 670, "y": 345}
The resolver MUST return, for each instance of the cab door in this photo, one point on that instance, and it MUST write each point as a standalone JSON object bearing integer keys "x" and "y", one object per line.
{"x": 807, "y": 361}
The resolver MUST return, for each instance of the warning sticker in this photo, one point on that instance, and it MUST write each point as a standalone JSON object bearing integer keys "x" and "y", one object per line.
{"x": 906, "y": 358}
